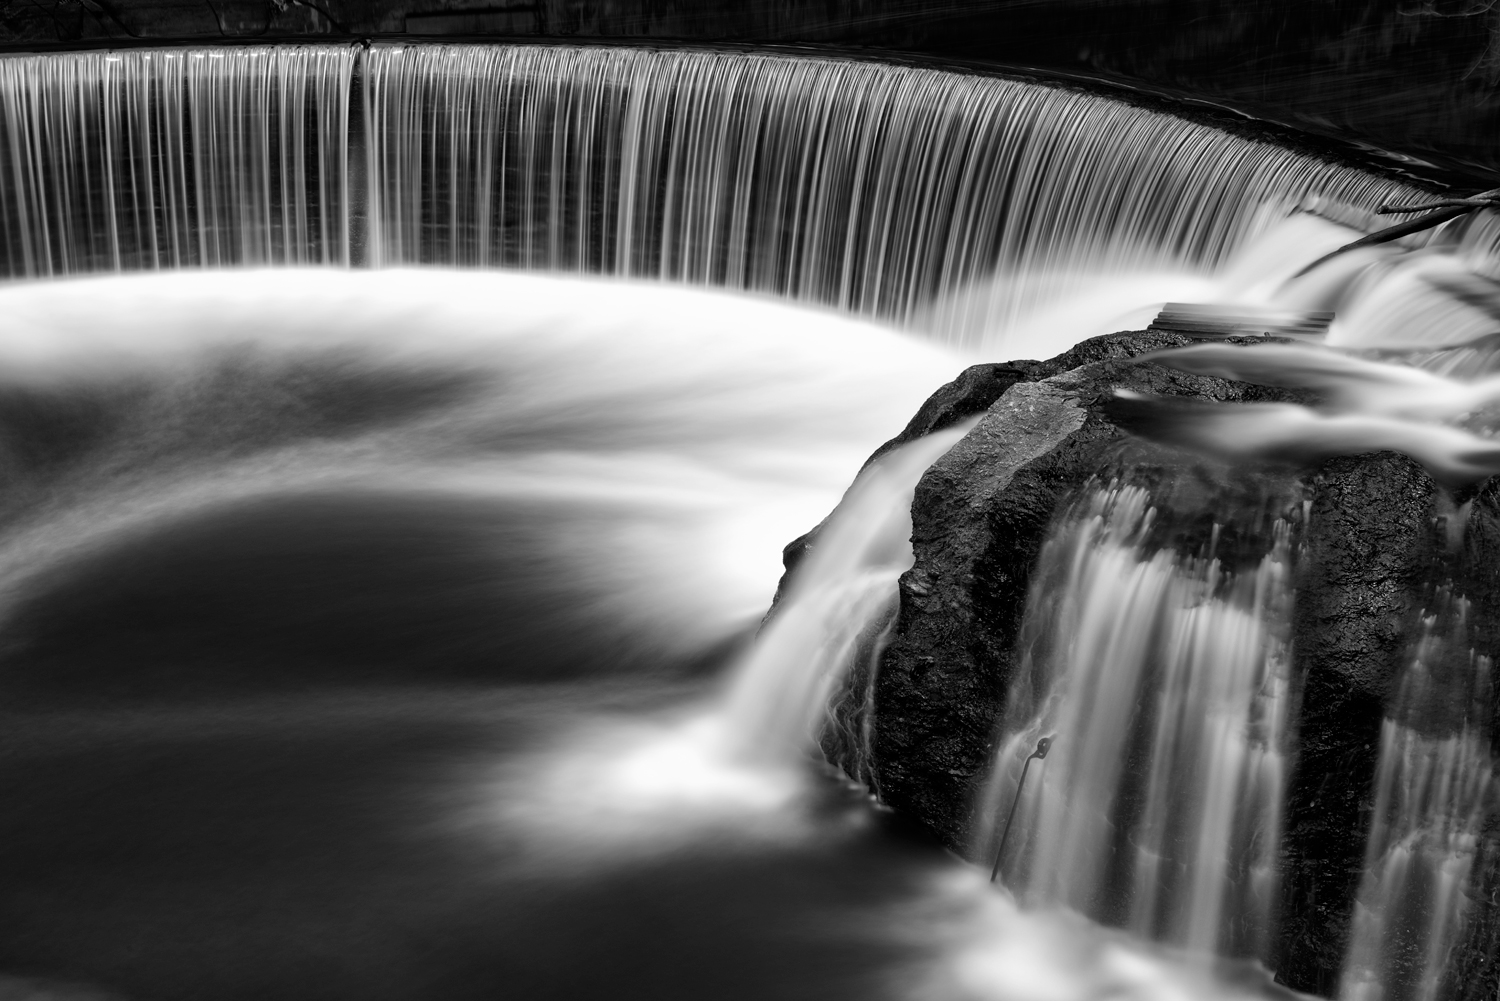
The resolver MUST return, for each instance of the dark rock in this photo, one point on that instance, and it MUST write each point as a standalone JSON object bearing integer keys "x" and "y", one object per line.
{"x": 973, "y": 392}
{"x": 975, "y": 389}
{"x": 1376, "y": 540}
{"x": 980, "y": 516}
{"x": 978, "y": 387}
{"x": 1368, "y": 558}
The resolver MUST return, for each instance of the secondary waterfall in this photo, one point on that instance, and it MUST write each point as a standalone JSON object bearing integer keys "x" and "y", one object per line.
{"x": 1163, "y": 679}
{"x": 833, "y": 611}
{"x": 1434, "y": 788}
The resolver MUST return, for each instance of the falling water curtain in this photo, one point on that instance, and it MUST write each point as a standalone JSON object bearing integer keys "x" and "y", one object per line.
{"x": 164, "y": 158}
{"x": 885, "y": 190}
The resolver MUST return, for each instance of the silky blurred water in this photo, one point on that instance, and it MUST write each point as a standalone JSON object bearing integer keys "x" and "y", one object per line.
{"x": 387, "y": 633}
{"x": 366, "y": 633}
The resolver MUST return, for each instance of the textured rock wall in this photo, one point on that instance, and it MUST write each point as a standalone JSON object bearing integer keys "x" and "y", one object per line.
{"x": 1368, "y": 559}
{"x": 1373, "y": 545}
{"x": 980, "y": 517}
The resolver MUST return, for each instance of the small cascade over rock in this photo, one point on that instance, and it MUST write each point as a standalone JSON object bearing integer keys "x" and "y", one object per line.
{"x": 1211, "y": 647}
{"x": 833, "y": 613}
{"x": 1434, "y": 789}
{"x": 1163, "y": 680}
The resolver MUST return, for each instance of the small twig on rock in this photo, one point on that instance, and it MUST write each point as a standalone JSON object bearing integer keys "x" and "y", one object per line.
{"x": 1042, "y": 747}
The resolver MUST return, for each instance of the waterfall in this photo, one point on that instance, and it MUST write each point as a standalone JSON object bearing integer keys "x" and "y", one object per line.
{"x": 886, "y": 190}
{"x": 951, "y": 202}
{"x": 167, "y": 158}
{"x": 833, "y": 610}
{"x": 1163, "y": 680}
{"x": 1434, "y": 787}
{"x": 979, "y": 209}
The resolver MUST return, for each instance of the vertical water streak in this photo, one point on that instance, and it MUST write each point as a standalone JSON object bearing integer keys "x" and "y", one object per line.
{"x": 1163, "y": 679}
{"x": 882, "y": 189}
{"x": 160, "y": 158}
{"x": 1434, "y": 786}
{"x": 834, "y": 608}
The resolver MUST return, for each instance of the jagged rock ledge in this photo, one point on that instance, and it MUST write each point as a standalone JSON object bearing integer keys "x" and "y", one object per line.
{"x": 1372, "y": 545}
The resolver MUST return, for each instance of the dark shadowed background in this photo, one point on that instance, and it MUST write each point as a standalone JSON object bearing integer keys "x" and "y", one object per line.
{"x": 1416, "y": 77}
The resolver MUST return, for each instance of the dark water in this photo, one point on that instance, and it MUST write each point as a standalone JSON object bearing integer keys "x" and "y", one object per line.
{"x": 359, "y": 633}
{"x": 272, "y": 736}
{"x": 326, "y": 846}
{"x": 315, "y": 732}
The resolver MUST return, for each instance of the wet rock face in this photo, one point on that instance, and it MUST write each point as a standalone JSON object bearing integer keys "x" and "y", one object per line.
{"x": 1372, "y": 545}
{"x": 980, "y": 516}
{"x": 1370, "y": 550}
